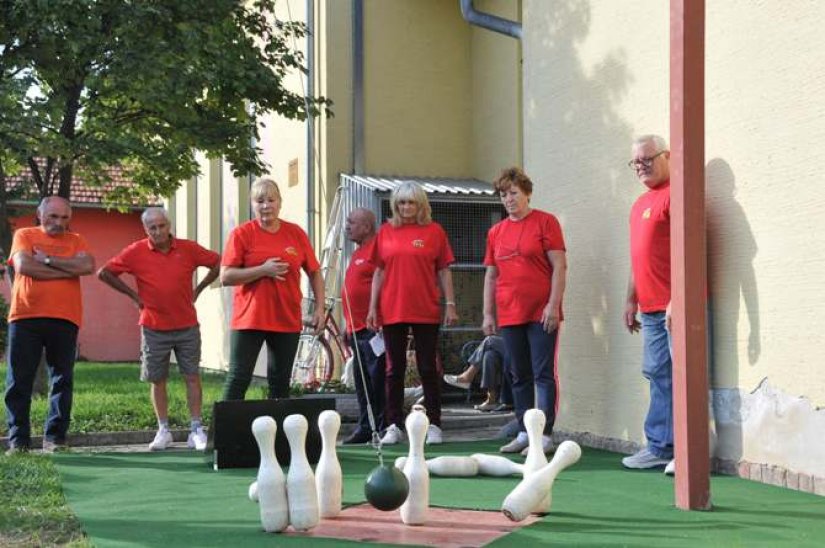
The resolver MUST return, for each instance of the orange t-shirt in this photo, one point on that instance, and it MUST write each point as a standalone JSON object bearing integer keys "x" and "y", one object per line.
{"x": 32, "y": 298}
{"x": 518, "y": 249}
{"x": 411, "y": 256}
{"x": 269, "y": 304}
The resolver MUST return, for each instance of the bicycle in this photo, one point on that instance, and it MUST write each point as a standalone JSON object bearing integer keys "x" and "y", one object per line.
{"x": 314, "y": 363}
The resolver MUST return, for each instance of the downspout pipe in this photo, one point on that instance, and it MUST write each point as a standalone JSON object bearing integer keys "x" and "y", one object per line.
{"x": 310, "y": 135}
{"x": 358, "y": 87}
{"x": 488, "y": 21}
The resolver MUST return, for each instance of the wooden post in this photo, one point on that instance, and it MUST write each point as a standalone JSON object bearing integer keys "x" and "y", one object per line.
{"x": 688, "y": 259}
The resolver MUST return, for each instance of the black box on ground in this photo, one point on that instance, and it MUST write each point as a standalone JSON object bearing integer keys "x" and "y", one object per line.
{"x": 232, "y": 445}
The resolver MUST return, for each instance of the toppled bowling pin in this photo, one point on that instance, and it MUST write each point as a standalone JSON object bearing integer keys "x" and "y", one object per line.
{"x": 538, "y": 485}
{"x": 534, "y": 421}
{"x": 447, "y": 466}
{"x": 271, "y": 486}
{"x": 495, "y": 465}
{"x": 300, "y": 481}
{"x": 253, "y": 491}
{"x": 328, "y": 476}
{"x": 414, "y": 509}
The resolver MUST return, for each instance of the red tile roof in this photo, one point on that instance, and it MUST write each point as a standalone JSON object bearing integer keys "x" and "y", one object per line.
{"x": 80, "y": 192}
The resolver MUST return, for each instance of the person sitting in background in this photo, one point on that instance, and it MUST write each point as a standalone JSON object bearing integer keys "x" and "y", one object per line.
{"x": 490, "y": 359}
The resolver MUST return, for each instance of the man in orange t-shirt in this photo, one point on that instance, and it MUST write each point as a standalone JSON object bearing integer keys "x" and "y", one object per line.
{"x": 163, "y": 266}
{"x": 46, "y": 313}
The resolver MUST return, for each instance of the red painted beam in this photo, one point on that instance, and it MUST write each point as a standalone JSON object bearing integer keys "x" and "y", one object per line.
{"x": 688, "y": 259}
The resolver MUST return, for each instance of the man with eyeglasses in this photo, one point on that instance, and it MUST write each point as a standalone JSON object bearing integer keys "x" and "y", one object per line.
{"x": 648, "y": 292}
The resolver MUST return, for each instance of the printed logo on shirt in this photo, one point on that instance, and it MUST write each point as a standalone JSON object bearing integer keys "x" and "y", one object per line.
{"x": 418, "y": 243}
{"x": 646, "y": 214}
{"x": 359, "y": 262}
{"x": 291, "y": 251}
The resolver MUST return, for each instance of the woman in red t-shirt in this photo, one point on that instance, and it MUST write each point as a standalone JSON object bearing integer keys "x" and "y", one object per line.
{"x": 523, "y": 289}
{"x": 412, "y": 257}
{"x": 263, "y": 259}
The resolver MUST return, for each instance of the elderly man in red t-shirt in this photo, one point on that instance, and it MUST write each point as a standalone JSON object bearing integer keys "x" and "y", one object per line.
{"x": 648, "y": 292}
{"x": 369, "y": 373}
{"x": 162, "y": 266}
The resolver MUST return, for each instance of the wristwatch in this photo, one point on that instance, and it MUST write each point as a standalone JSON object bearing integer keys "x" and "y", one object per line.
{"x": 47, "y": 261}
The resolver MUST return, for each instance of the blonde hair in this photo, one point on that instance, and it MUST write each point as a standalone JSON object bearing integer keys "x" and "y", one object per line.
{"x": 264, "y": 186}
{"x": 414, "y": 192}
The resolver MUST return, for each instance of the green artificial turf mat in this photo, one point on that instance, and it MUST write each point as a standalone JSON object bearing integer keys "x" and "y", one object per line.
{"x": 174, "y": 499}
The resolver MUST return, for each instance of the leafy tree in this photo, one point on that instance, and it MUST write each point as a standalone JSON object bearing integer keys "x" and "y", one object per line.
{"x": 88, "y": 84}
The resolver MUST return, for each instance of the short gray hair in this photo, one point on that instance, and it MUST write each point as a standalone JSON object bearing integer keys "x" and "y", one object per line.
{"x": 657, "y": 140}
{"x": 41, "y": 207}
{"x": 151, "y": 211}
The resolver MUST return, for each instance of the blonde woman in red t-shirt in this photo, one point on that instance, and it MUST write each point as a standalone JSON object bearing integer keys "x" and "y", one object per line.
{"x": 263, "y": 259}
{"x": 412, "y": 257}
{"x": 523, "y": 288}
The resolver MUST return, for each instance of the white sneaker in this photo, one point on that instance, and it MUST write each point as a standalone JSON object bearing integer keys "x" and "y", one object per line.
{"x": 197, "y": 440}
{"x": 162, "y": 440}
{"x": 670, "y": 469}
{"x": 517, "y": 445}
{"x": 644, "y": 459}
{"x": 392, "y": 435}
{"x": 434, "y": 436}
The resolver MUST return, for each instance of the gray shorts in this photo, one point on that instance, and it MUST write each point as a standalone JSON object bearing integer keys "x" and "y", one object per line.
{"x": 156, "y": 348}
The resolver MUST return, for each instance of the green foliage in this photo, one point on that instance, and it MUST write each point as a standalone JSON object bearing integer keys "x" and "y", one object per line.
{"x": 89, "y": 84}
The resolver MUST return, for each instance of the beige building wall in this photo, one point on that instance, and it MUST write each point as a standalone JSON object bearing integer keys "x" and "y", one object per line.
{"x": 596, "y": 75}
{"x": 418, "y": 101}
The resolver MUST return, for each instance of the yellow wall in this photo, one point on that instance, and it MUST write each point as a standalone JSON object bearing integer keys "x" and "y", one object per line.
{"x": 596, "y": 75}
{"x": 417, "y": 89}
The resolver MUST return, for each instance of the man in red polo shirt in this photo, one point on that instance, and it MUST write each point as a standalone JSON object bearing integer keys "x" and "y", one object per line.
{"x": 162, "y": 266}
{"x": 648, "y": 292}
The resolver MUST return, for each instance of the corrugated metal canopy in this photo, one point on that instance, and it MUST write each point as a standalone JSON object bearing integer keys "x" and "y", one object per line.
{"x": 430, "y": 185}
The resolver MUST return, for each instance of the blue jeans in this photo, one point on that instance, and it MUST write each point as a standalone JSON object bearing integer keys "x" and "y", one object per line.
{"x": 26, "y": 341}
{"x": 657, "y": 368}
{"x": 532, "y": 357}
{"x": 374, "y": 369}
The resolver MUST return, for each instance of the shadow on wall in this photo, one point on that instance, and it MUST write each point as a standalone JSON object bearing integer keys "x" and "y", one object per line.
{"x": 732, "y": 250}
{"x": 585, "y": 182}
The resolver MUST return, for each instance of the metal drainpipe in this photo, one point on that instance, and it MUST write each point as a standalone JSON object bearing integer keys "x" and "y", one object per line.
{"x": 310, "y": 136}
{"x": 490, "y": 22}
{"x": 358, "y": 87}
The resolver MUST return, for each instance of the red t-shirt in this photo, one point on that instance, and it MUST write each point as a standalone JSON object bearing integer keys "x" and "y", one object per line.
{"x": 411, "y": 256}
{"x": 164, "y": 280}
{"x": 650, "y": 248}
{"x": 59, "y": 298}
{"x": 358, "y": 284}
{"x": 269, "y": 304}
{"x": 518, "y": 249}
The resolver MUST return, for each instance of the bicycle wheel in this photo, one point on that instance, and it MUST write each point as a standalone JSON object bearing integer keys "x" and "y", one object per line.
{"x": 313, "y": 364}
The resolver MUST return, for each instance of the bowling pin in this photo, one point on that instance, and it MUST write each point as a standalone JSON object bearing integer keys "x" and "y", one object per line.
{"x": 300, "y": 481}
{"x": 414, "y": 509}
{"x": 328, "y": 477}
{"x": 495, "y": 465}
{"x": 537, "y": 486}
{"x": 271, "y": 486}
{"x": 448, "y": 466}
{"x": 534, "y": 421}
{"x": 253, "y": 491}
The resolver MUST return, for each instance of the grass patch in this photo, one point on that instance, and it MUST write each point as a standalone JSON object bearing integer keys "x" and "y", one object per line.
{"x": 109, "y": 397}
{"x": 33, "y": 510}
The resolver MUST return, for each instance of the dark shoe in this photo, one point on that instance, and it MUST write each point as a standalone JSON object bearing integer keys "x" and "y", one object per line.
{"x": 356, "y": 438}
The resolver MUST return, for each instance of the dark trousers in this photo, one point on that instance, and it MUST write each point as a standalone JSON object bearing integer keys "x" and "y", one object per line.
{"x": 26, "y": 341}
{"x": 532, "y": 353}
{"x": 244, "y": 347}
{"x": 426, "y": 344}
{"x": 370, "y": 384}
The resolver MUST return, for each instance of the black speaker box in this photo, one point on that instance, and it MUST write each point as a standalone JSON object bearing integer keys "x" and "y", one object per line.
{"x": 231, "y": 443}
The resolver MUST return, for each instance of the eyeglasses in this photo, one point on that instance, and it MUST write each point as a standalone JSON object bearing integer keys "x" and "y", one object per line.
{"x": 644, "y": 162}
